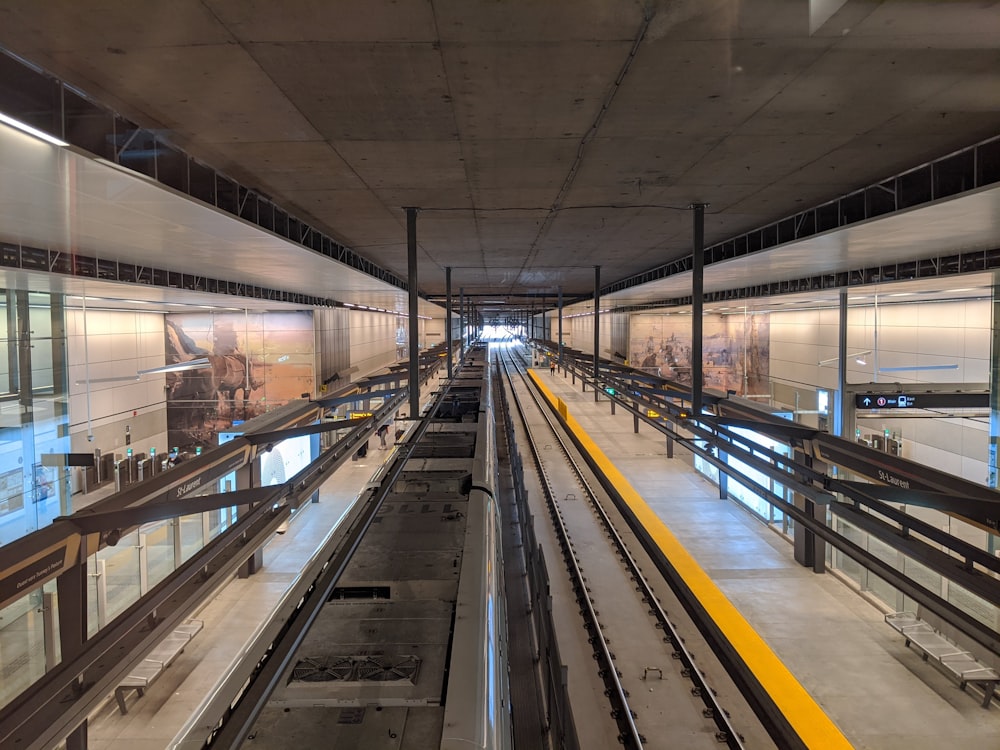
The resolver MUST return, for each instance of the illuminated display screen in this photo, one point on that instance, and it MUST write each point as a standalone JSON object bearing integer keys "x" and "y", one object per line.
{"x": 285, "y": 460}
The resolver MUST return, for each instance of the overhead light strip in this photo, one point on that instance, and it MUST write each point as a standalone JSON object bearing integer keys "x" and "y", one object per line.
{"x": 25, "y": 128}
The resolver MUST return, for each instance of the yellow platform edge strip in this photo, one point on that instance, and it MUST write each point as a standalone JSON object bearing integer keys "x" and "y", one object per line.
{"x": 809, "y": 721}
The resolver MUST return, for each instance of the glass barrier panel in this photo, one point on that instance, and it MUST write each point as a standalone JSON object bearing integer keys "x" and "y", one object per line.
{"x": 160, "y": 554}
{"x": 122, "y": 573}
{"x": 842, "y": 562}
{"x": 192, "y": 533}
{"x": 972, "y": 605}
{"x": 22, "y": 645}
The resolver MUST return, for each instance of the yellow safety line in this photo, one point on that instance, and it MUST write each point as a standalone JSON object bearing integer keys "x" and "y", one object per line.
{"x": 809, "y": 721}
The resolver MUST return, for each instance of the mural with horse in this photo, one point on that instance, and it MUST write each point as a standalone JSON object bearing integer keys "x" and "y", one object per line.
{"x": 232, "y": 386}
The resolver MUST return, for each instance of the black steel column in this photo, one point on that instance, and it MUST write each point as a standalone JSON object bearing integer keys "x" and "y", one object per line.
{"x": 411, "y": 265}
{"x": 71, "y": 590}
{"x": 697, "y": 303}
{"x": 25, "y": 388}
{"x": 597, "y": 328}
{"x": 840, "y": 401}
{"x": 447, "y": 317}
{"x": 560, "y": 340}
{"x": 991, "y": 456}
{"x": 546, "y": 327}
{"x": 248, "y": 477}
{"x": 461, "y": 322}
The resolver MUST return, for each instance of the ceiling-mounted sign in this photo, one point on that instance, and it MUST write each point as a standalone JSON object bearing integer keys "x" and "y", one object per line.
{"x": 921, "y": 400}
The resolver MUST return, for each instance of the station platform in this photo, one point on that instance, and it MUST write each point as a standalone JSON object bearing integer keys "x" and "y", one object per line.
{"x": 832, "y": 638}
{"x": 233, "y": 616}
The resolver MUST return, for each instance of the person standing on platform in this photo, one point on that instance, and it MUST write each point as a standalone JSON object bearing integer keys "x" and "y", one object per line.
{"x": 382, "y": 432}
{"x": 552, "y": 367}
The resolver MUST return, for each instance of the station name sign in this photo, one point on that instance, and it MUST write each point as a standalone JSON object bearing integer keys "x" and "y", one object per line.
{"x": 42, "y": 567}
{"x": 921, "y": 400}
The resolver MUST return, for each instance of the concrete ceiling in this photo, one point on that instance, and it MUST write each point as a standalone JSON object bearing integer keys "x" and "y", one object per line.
{"x": 538, "y": 138}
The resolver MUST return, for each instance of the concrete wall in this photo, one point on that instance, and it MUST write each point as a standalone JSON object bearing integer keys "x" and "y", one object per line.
{"x": 332, "y": 328}
{"x": 373, "y": 341}
{"x": 578, "y": 333}
{"x": 431, "y": 332}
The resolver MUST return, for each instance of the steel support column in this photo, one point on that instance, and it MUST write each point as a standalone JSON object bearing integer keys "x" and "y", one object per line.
{"x": 697, "y": 305}
{"x": 447, "y": 317}
{"x": 560, "y": 339}
{"x": 840, "y": 405}
{"x": 461, "y": 322}
{"x": 992, "y": 471}
{"x": 808, "y": 549}
{"x": 71, "y": 589}
{"x": 411, "y": 267}
{"x": 248, "y": 477}
{"x": 597, "y": 329}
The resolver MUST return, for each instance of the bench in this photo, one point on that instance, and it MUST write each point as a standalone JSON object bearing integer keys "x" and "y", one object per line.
{"x": 146, "y": 672}
{"x": 954, "y": 661}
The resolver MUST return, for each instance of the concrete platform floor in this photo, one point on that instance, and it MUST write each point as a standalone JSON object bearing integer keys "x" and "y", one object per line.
{"x": 231, "y": 619}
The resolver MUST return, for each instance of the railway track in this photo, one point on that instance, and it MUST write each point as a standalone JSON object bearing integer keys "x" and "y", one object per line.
{"x": 658, "y": 695}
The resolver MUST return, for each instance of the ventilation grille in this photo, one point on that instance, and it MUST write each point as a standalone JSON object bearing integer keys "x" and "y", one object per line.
{"x": 357, "y": 669}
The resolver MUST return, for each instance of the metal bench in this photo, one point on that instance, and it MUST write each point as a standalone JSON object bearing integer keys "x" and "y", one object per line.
{"x": 954, "y": 661}
{"x": 149, "y": 669}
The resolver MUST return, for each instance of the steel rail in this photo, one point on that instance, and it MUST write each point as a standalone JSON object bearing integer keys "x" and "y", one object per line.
{"x": 629, "y": 736}
{"x": 727, "y": 734}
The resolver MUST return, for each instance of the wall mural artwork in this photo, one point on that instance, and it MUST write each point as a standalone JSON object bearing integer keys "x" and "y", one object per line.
{"x": 735, "y": 350}
{"x": 257, "y": 362}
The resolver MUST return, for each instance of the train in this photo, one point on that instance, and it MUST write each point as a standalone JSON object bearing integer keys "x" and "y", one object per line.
{"x": 410, "y": 649}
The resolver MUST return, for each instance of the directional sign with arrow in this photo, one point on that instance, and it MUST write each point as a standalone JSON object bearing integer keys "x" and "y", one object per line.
{"x": 921, "y": 400}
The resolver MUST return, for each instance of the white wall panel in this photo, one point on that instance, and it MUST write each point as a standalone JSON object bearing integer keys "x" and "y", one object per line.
{"x": 909, "y": 334}
{"x": 373, "y": 341}
{"x": 118, "y": 344}
{"x": 977, "y": 342}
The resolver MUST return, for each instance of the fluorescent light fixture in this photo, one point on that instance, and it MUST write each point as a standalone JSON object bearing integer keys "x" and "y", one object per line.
{"x": 118, "y": 379}
{"x": 283, "y": 358}
{"x": 901, "y": 294}
{"x": 25, "y": 128}
{"x": 917, "y": 367}
{"x": 964, "y": 289}
{"x": 192, "y": 364}
{"x": 858, "y": 357}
